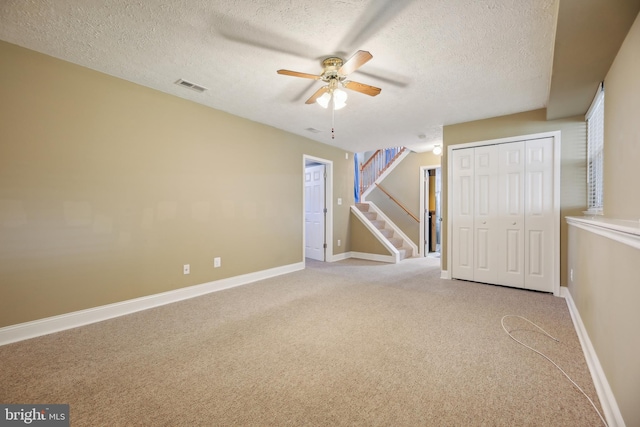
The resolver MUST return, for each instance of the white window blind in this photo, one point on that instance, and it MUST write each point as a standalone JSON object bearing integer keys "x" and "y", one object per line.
{"x": 595, "y": 147}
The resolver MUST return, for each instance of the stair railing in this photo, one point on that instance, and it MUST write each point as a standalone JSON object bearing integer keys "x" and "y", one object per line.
{"x": 416, "y": 219}
{"x": 371, "y": 170}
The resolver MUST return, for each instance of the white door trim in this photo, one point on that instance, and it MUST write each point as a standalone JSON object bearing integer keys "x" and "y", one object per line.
{"x": 556, "y": 135}
{"x": 329, "y": 204}
{"x": 423, "y": 170}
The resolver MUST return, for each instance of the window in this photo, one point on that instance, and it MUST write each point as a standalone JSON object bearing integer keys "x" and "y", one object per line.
{"x": 595, "y": 147}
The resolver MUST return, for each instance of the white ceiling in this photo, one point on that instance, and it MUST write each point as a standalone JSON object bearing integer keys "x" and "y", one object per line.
{"x": 438, "y": 62}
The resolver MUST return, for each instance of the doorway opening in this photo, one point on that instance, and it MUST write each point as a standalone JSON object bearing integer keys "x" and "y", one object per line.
{"x": 317, "y": 208}
{"x": 430, "y": 211}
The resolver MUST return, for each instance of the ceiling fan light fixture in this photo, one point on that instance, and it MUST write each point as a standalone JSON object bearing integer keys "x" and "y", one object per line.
{"x": 324, "y": 100}
{"x": 338, "y": 106}
{"x": 339, "y": 99}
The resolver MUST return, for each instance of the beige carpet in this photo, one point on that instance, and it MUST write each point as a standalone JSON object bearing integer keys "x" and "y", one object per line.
{"x": 347, "y": 343}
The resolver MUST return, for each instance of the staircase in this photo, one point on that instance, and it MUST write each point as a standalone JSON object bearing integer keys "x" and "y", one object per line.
{"x": 376, "y": 166}
{"x": 393, "y": 236}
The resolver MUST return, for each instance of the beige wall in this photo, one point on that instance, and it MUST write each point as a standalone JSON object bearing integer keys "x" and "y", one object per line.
{"x": 606, "y": 273}
{"x": 573, "y": 161}
{"x": 363, "y": 240}
{"x": 622, "y": 131}
{"x": 403, "y": 183}
{"x": 606, "y": 292}
{"x": 588, "y": 36}
{"x": 107, "y": 188}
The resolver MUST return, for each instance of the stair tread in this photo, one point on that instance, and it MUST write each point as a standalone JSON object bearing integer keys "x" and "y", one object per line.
{"x": 396, "y": 241}
{"x": 388, "y": 233}
{"x": 371, "y": 215}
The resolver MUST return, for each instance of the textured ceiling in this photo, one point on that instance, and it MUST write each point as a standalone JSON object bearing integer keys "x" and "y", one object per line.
{"x": 438, "y": 62}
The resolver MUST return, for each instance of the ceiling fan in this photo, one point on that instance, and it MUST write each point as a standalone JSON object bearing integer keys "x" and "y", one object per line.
{"x": 334, "y": 74}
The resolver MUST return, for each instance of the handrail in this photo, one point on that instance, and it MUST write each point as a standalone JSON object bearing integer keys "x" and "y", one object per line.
{"x": 397, "y": 202}
{"x": 371, "y": 170}
{"x": 373, "y": 156}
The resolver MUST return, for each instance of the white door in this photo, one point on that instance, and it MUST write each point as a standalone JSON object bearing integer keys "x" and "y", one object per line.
{"x": 314, "y": 212}
{"x": 511, "y": 215}
{"x": 503, "y": 217}
{"x": 485, "y": 214}
{"x": 462, "y": 218}
{"x": 538, "y": 209}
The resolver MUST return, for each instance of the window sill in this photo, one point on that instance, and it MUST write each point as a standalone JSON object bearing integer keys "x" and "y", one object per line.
{"x": 623, "y": 231}
{"x": 593, "y": 212}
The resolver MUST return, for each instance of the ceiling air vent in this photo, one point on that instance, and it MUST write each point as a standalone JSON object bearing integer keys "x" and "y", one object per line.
{"x": 190, "y": 85}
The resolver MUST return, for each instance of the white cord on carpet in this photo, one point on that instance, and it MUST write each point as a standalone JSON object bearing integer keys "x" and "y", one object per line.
{"x": 554, "y": 363}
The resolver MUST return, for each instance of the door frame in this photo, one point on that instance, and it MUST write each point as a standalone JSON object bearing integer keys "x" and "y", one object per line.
{"x": 328, "y": 196}
{"x": 423, "y": 203}
{"x": 556, "y": 135}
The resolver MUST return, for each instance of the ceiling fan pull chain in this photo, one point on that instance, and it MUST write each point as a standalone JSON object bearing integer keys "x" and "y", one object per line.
{"x": 333, "y": 119}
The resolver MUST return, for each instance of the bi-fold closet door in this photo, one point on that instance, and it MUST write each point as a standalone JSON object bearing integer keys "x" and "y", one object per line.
{"x": 502, "y": 214}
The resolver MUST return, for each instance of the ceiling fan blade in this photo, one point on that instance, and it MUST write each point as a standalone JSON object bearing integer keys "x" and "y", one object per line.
{"x": 375, "y": 18}
{"x": 297, "y": 74}
{"x": 386, "y": 76}
{"x": 318, "y": 94}
{"x": 360, "y": 58}
{"x": 362, "y": 88}
{"x": 245, "y": 33}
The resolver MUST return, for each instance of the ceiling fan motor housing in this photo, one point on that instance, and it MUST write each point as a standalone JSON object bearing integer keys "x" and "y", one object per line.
{"x": 331, "y": 66}
{"x": 334, "y": 73}
{"x": 332, "y": 63}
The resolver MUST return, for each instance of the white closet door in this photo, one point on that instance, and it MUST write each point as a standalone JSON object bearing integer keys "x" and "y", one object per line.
{"x": 314, "y": 217}
{"x": 511, "y": 214}
{"x": 539, "y": 224}
{"x": 485, "y": 218}
{"x": 462, "y": 216}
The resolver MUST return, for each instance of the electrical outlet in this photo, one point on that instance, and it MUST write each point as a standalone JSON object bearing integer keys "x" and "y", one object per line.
{"x": 186, "y": 269}
{"x": 217, "y": 262}
{"x": 339, "y": 201}
{"x": 339, "y": 242}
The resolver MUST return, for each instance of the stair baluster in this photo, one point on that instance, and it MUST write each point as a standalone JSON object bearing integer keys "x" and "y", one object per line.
{"x": 379, "y": 162}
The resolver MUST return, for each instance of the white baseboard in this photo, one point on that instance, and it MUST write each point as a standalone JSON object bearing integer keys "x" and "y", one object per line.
{"x": 444, "y": 274}
{"x": 340, "y": 257}
{"x": 75, "y": 319}
{"x": 608, "y": 401}
{"x": 374, "y": 257}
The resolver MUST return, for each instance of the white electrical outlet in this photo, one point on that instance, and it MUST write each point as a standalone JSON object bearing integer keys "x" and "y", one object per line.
{"x": 217, "y": 262}
{"x": 339, "y": 242}
{"x": 186, "y": 269}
